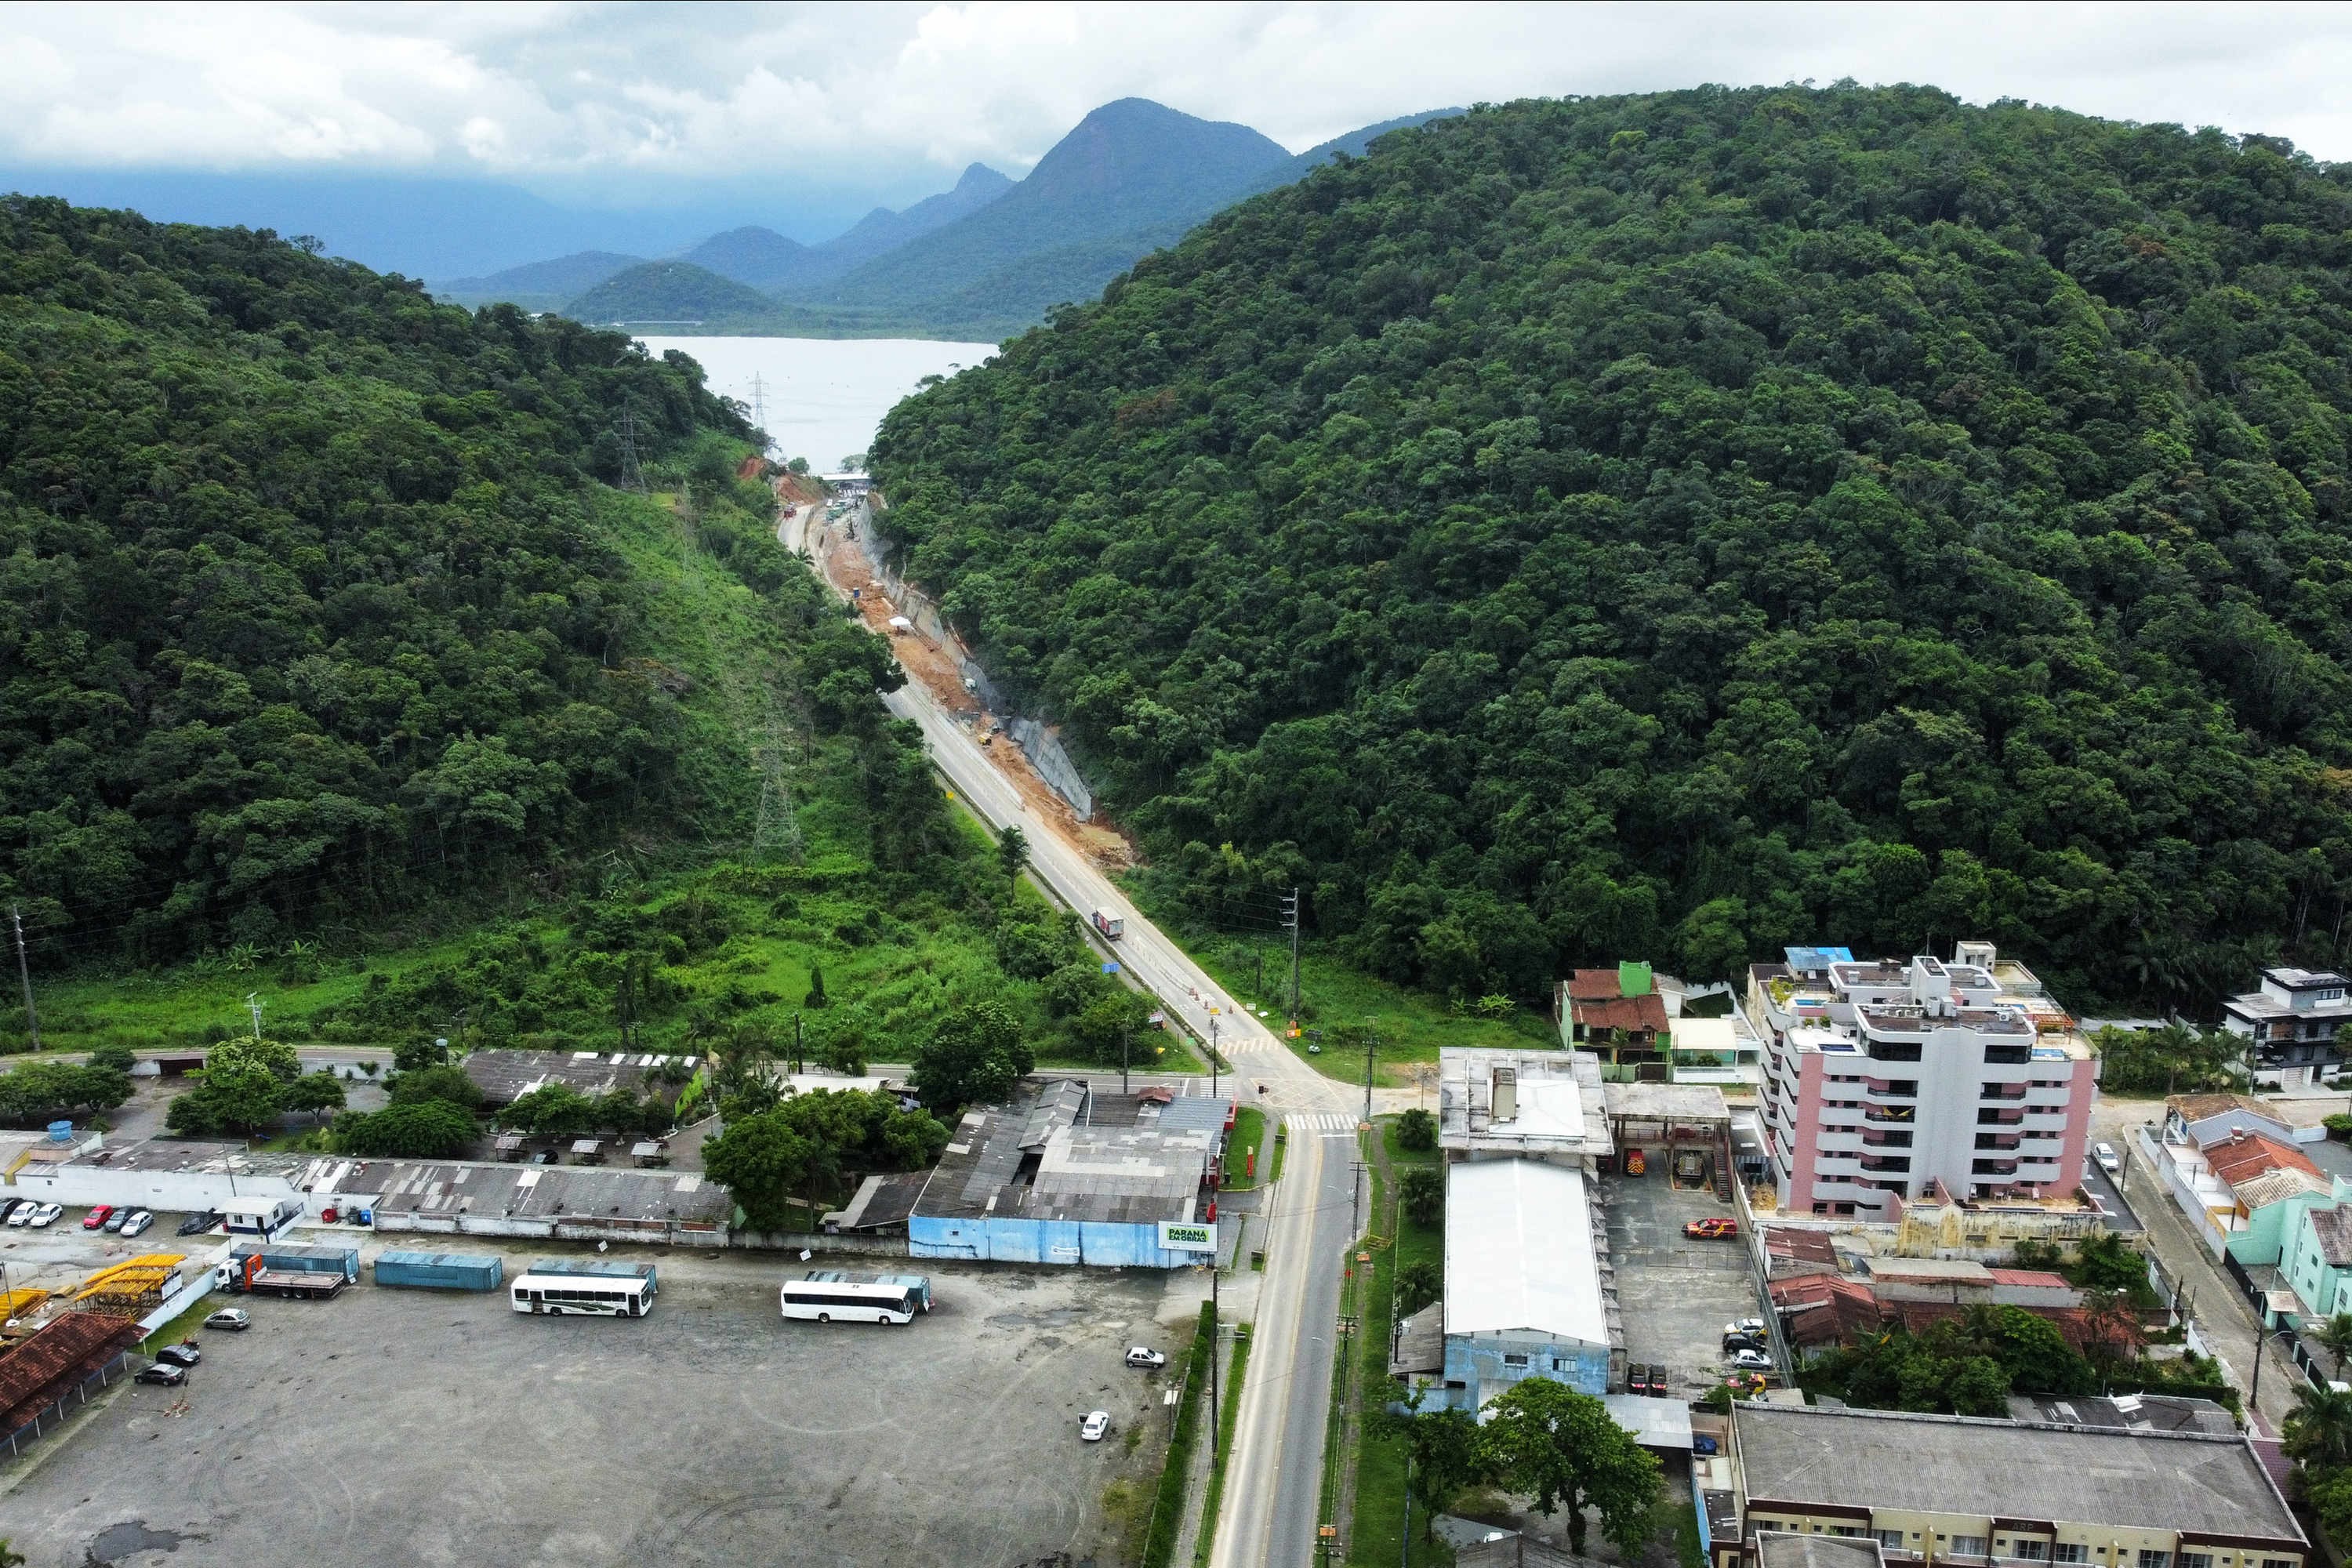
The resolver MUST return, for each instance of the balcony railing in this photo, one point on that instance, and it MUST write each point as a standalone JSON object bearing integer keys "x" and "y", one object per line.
{"x": 1899, "y": 1113}
{"x": 2004, "y": 1091}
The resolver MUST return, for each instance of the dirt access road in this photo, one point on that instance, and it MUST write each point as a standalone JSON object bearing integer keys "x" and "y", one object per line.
{"x": 1272, "y": 1495}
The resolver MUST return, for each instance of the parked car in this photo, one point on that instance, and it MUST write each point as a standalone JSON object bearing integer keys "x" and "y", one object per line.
{"x": 47, "y": 1215}
{"x": 1653, "y": 1381}
{"x": 9, "y": 1206}
{"x": 164, "y": 1373}
{"x": 138, "y": 1223}
{"x": 2109, "y": 1161}
{"x": 184, "y": 1353}
{"x": 197, "y": 1224}
{"x": 1733, "y": 1342}
{"x": 97, "y": 1217}
{"x": 1091, "y": 1430}
{"x": 236, "y": 1319}
{"x": 1744, "y": 1326}
{"x": 22, "y": 1210}
{"x": 116, "y": 1221}
{"x": 1716, "y": 1227}
{"x": 1752, "y": 1361}
{"x": 1143, "y": 1355}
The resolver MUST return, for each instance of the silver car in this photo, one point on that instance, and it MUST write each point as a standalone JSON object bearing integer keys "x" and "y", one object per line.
{"x": 138, "y": 1223}
{"x": 1092, "y": 1428}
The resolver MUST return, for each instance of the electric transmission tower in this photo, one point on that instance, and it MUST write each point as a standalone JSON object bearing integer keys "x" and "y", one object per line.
{"x": 759, "y": 406}
{"x": 632, "y": 477}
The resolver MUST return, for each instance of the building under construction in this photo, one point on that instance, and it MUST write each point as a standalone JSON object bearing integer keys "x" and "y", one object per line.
{"x": 132, "y": 1288}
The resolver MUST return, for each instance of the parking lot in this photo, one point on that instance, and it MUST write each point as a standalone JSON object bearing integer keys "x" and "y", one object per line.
{"x": 438, "y": 1428}
{"x": 1678, "y": 1293}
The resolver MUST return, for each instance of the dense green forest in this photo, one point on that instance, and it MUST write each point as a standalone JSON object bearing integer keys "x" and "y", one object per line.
{"x": 303, "y": 612}
{"x": 1674, "y": 526}
{"x": 674, "y": 293}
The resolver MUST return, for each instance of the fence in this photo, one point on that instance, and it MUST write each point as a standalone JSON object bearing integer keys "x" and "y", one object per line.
{"x": 787, "y": 1241}
{"x": 54, "y": 1414}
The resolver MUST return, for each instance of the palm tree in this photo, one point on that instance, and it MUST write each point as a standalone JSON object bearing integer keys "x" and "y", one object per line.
{"x": 2319, "y": 1428}
{"x": 2336, "y": 1336}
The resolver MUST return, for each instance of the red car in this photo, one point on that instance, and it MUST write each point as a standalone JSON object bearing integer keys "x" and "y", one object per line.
{"x": 1714, "y": 1228}
{"x": 98, "y": 1216}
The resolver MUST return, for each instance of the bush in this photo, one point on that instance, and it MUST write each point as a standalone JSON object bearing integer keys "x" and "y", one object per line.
{"x": 2339, "y": 1126}
{"x": 447, "y": 1084}
{"x": 1417, "y": 1130}
{"x": 426, "y": 1130}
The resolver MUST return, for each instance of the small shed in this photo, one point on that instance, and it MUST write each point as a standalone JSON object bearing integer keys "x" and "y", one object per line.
{"x": 588, "y": 1150}
{"x": 512, "y": 1146}
{"x": 650, "y": 1151}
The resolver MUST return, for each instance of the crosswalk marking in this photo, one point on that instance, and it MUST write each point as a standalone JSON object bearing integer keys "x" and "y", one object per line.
{"x": 1319, "y": 1122}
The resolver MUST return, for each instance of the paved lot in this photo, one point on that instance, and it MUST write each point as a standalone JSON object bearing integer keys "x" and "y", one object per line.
{"x": 413, "y": 1427}
{"x": 1678, "y": 1293}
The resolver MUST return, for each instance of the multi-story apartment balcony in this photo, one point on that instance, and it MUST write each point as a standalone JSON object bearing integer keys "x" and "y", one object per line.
{"x": 1993, "y": 1167}
{"x": 2000, "y": 1119}
{"x": 2006, "y": 1091}
{"x": 1886, "y": 1162}
{"x": 2005, "y": 1141}
{"x": 1889, "y": 1138}
{"x": 1899, "y": 1088}
{"x": 1896, "y": 1113}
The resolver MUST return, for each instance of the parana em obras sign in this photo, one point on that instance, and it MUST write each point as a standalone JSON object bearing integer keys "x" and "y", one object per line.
{"x": 1176, "y": 1236}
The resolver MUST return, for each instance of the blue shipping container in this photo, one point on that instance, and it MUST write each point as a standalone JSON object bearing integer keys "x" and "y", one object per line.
{"x": 343, "y": 1260}
{"x": 439, "y": 1270}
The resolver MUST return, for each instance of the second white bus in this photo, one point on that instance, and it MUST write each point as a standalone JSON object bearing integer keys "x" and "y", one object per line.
{"x": 828, "y": 1295}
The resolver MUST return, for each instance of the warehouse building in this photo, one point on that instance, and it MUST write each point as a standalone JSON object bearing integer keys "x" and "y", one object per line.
{"x": 1067, "y": 1174}
{"x": 505, "y": 1077}
{"x": 458, "y": 1197}
{"x": 1938, "y": 1487}
{"x": 1527, "y": 1291}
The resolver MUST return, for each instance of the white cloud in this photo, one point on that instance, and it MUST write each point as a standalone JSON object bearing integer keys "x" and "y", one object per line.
{"x": 844, "y": 93}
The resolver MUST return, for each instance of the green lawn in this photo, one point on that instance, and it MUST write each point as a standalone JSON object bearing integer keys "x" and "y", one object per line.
{"x": 1377, "y": 1536}
{"x": 1230, "y": 1404}
{"x": 1411, "y": 1026}
{"x": 1245, "y": 1145}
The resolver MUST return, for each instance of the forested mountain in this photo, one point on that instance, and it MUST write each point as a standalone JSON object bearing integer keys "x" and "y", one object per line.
{"x": 670, "y": 291}
{"x": 883, "y": 229}
{"x": 539, "y": 285}
{"x": 1131, "y": 176}
{"x": 302, "y": 611}
{"x": 1675, "y": 526}
{"x": 1354, "y": 144}
{"x": 754, "y": 257}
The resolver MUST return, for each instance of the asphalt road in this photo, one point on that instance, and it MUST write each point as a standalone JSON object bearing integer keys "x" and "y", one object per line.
{"x": 1273, "y": 1493}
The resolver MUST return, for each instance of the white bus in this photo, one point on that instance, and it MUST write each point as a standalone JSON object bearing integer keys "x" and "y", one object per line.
{"x": 608, "y": 1295}
{"x": 826, "y": 1294}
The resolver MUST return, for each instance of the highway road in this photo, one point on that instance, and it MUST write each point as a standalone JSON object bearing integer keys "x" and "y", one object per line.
{"x": 1272, "y": 1499}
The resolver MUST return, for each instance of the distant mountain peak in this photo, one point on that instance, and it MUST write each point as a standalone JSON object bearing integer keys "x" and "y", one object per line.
{"x": 981, "y": 177}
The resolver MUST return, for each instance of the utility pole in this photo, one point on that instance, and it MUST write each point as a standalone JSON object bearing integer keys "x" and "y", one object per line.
{"x": 1125, "y": 1039}
{"x": 1290, "y": 917}
{"x": 252, "y": 1005}
{"x": 1215, "y": 1312}
{"x": 25, "y": 976}
{"x": 1212, "y": 1053}
{"x": 797, "y": 1067}
{"x": 1372, "y": 1044}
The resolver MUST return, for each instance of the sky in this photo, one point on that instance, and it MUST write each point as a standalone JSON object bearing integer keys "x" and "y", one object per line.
{"x": 552, "y": 92}
{"x": 820, "y": 111}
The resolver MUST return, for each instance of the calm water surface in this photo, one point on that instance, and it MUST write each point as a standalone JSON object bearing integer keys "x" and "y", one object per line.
{"x": 826, "y": 397}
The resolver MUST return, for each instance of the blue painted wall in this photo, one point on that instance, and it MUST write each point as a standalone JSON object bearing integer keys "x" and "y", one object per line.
{"x": 992, "y": 1239}
{"x": 1479, "y": 1362}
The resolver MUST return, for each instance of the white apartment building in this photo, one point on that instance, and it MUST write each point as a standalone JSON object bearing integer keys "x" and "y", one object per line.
{"x": 1887, "y": 1080}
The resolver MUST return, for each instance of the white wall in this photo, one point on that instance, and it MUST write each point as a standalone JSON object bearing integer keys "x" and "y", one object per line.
{"x": 180, "y": 1192}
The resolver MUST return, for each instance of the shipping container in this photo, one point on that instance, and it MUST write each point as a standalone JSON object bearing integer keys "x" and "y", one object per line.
{"x": 291, "y": 1255}
{"x": 440, "y": 1270}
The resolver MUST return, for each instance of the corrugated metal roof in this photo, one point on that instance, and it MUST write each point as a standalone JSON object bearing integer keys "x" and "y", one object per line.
{"x": 51, "y": 1361}
{"x": 1518, "y": 1252}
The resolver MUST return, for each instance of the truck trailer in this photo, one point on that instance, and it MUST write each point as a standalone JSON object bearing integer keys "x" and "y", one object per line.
{"x": 1111, "y": 927}
{"x": 301, "y": 1284}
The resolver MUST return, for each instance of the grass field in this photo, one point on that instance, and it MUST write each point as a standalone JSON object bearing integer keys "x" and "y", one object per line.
{"x": 1409, "y": 1026}
{"x": 1244, "y": 1148}
{"x": 1377, "y": 1538}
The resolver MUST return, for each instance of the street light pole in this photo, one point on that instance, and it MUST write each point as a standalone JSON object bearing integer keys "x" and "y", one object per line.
{"x": 1372, "y": 1044}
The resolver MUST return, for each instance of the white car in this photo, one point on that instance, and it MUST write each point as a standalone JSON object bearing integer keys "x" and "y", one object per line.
{"x": 138, "y": 1223}
{"x": 2109, "y": 1161}
{"x": 47, "y": 1215}
{"x": 1092, "y": 1428}
{"x": 23, "y": 1212}
{"x": 1752, "y": 1361}
{"x": 1745, "y": 1326}
{"x": 1144, "y": 1355}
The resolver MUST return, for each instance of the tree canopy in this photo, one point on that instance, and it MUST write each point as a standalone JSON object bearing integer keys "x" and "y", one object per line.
{"x": 1686, "y": 525}
{"x": 302, "y": 611}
